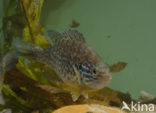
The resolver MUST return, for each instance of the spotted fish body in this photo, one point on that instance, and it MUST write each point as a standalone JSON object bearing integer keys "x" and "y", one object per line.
{"x": 74, "y": 61}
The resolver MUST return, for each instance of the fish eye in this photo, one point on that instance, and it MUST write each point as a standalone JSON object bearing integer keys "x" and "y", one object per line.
{"x": 80, "y": 66}
{"x": 94, "y": 71}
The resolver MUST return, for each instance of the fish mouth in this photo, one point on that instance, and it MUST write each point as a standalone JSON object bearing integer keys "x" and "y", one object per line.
{"x": 101, "y": 81}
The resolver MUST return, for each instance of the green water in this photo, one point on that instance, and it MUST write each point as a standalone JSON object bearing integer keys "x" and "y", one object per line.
{"x": 1, "y": 35}
{"x": 119, "y": 30}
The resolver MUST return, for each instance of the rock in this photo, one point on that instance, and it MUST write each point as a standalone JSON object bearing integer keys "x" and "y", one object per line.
{"x": 93, "y": 108}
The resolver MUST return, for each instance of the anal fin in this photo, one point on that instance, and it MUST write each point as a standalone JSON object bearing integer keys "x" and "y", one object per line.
{"x": 85, "y": 94}
{"x": 75, "y": 96}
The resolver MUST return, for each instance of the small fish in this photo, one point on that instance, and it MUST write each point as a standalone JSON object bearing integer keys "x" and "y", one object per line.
{"x": 74, "y": 61}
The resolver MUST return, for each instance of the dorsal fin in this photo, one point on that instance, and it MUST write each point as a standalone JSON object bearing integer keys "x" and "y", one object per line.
{"x": 74, "y": 35}
{"x": 54, "y": 36}
{"x": 70, "y": 34}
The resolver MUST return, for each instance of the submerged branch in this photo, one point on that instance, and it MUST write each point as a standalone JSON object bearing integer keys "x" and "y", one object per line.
{"x": 26, "y": 18}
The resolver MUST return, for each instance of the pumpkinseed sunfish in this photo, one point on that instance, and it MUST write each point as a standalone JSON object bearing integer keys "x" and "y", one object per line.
{"x": 73, "y": 60}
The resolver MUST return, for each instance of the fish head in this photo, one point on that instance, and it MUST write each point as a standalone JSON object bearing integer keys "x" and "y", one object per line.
{"x": 96, "y": 76}
{"x": 101, "y": 76}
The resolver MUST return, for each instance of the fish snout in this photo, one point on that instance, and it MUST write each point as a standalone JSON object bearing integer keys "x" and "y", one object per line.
{"x": 102, "y": 80}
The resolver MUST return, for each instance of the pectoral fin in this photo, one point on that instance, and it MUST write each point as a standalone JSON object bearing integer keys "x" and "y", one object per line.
{"x": 77, "y": 75}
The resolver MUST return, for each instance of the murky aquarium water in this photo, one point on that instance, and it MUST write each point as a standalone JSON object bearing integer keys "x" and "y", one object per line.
{"x": 77, "y": 56}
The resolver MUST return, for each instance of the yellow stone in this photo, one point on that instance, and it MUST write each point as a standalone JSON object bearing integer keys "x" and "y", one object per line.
{"x": 93, "y": 108}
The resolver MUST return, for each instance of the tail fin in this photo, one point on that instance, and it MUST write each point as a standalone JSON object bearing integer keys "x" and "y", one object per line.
{"x": 25, "y": 48}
